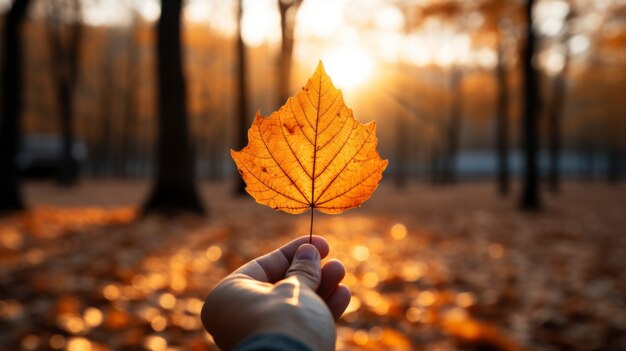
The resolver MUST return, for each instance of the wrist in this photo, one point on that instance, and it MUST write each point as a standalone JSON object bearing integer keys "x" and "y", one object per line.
{"x": 310, "y": 324}
{"x": 272, "y": 341}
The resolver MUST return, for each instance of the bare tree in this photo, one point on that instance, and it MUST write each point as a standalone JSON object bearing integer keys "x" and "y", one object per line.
{"x": 174, "y": 190}
{"x": 241, "y": 100}
{"x": 501, "y": 19}
{"x": 443, "y": 159}
{"x": 502, "y": 119}
{"x": 64, "y": 58}
{"x": 555, "y": 111}
{"x": 130, "y": 100}
{"x": 453, "y": 127}
{"x": 288, "y": 10}
{"x": 104, "y": 129}
{"x": 10, "y": 194}
{"x": 530, "y": 200}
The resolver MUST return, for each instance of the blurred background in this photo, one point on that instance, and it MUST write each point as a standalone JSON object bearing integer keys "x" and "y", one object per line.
{"x": 499, "y": 223}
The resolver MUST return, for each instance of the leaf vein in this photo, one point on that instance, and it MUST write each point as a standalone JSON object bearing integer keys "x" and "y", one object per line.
{"x": 346, "y": 165}
{"x": 269, "y": 187}
{"x": 291, "y": 148}
{"x": 279, "y": 166}
{"x": 357, "y": 184}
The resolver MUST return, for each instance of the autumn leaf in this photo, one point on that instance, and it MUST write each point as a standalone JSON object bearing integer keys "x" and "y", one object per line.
{"x": 311, "y": 153}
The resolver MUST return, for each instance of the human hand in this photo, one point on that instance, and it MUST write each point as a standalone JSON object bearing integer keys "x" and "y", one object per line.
{"x": 286, "y": 292}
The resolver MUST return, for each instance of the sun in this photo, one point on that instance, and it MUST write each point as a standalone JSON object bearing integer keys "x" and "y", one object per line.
{"x": 348, "y": 67}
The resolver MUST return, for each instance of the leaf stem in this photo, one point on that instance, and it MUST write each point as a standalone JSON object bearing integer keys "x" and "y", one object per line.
{"x": 311, "y": 228}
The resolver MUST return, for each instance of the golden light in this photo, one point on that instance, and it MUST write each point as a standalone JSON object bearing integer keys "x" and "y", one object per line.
{"x": 155, "y": 343}
{"x": 389, "y": 18}
{"x": 139, "y": 281}
{"x": 156, "y": 281}
{"x": 197, "y": 11}
{"x": 413, "y": 314}
{"x": 74, "y": 325}
{"x": 426, "y": 298}
{"x": 455, "y": 314}
{"x": 78, "y": 344}
{"x": 350, "y": 279}
{"x": 213, "y": 253}
{"x": 158, "y": 323}
{"x": 178, "y": 283}
{"x": 348, "y": 67}
{"x": 354, "y": 305}
{"x": 370, "y": 279}
{"x": 194, "y": 306}
{"x": 149, "y": 10}
{"x": 398, "y": 231}
{"x": 360, "y": 337}
{"x": 382, "y": 307}
{"x": 413, "y": 271}
{"x": 167, "y": 301}
{"x": 360, "y": 253}
{"x": 465, "y": 299}
{"x": 310, "y": 13}
{"x": 149, "y": 313}
{"x": 259, "y": 23}
{"x": 93, "y": 317}
{"x": 104, "y": 13}
{"x": 111, "y": 292}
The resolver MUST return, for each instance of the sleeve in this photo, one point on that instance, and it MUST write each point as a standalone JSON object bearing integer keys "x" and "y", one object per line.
{"x": 271, "y": 342}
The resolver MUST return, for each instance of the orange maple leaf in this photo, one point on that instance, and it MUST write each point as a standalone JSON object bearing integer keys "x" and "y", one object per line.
{"x": 311, "y": 153}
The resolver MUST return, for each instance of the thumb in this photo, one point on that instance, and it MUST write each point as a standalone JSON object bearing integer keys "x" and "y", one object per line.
{"x": 306, "y": 266}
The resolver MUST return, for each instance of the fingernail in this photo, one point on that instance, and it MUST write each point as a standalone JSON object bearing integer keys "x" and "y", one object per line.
{"x": 306, "y": 252}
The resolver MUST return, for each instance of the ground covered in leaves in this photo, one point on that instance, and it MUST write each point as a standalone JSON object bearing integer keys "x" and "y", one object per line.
{"x": 453, "y": 268}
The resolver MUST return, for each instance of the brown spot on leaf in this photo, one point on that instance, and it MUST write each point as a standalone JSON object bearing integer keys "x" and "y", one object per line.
{"x": 290, "y": 129}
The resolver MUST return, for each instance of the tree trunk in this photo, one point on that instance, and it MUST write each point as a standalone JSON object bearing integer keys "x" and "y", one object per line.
{"x": 587, "y": 150}
{"x": 128, "y": 154}
{"x": 454, "y": 127}
{"x": 613, "y": 166}
{"x": 288, "y": 10}
{"x": 10, "y": 192}
{"x": 436, "y": 165}
{"x": 65, "y": 74}
{"x": 68, "y": 166}
{"x": 554, "y": 126}
{"x": 174, "y": 190}
{"x": 241, "y": 101}
{"x": 502, "y": 122}
{"x": 104, "y": 130}
{"x": 530, "y": 200}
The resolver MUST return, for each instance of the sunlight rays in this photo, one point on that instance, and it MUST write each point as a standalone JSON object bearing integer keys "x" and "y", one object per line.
{"x": 349, "y": 66}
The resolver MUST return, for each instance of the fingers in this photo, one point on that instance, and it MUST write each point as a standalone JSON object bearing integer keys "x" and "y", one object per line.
{"x": 338, "y": 300}
{"x": 272, "y": 267}
{"x": 337, "y": 296}
{"x": 333, "y": 273}
{"x": 306, "y": 266}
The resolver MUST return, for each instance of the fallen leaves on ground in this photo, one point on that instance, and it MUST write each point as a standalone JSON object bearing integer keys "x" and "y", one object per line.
{"x": 477, "y": 275}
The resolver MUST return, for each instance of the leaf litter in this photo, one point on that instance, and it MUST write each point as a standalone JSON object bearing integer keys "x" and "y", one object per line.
{"x": 456, "y": 270}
